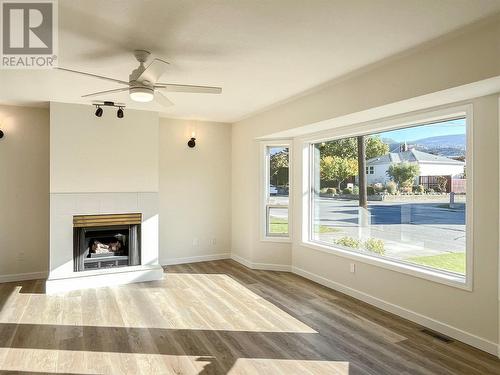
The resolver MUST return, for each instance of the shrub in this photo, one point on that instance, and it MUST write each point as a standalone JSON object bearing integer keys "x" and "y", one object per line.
{"x": 375, "y": 246}
{"x": 406, "y": 189}
{"x": 323, "y": 190}
{"x": 347, "y": 191}
{"x": 391, "y": 187}
{"x": 370, "y": 190}
{"x": 355, "y": 190}
{"x": 331, "y": 191}
{"x": 378, "y": 187}
{"x": 403, "y": 173}
{"x": 429, "y": 191}
{"x": 442, "y": 183}
{"x": 348, "y": 242}
{"x": 420, "y": 189}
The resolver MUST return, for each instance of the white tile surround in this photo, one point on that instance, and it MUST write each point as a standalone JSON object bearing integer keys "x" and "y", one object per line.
{"x": 63, "y": 206}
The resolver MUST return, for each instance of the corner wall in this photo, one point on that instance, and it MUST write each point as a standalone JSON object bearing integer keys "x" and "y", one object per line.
{"x": 24, "y": 193}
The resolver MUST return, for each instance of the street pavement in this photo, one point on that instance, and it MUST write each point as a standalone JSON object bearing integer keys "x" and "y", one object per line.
{"x": 408, "y": 228}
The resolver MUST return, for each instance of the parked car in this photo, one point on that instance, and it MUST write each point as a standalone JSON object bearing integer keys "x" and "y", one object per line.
{"x": 283, "y": 190}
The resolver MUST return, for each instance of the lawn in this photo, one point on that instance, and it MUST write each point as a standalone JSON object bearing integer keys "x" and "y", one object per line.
{"x": 453, "y": 262}
{"x": 325, "y": 229}
{"x": 279, "y": 225}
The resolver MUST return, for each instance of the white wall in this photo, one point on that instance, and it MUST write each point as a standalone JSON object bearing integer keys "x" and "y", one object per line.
{"x": 426, "y": 169}
{"x": 24, "y": 192}
{"x": 431, "y": 169}
{"x": 195, "y": 191}
{"x": 106, "y": 154}
{"x": 379, "y": 174}
{"x": 417, "y": 75}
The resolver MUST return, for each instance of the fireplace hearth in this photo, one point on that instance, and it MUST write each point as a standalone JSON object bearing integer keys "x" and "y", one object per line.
{"x": 106, "y": 241}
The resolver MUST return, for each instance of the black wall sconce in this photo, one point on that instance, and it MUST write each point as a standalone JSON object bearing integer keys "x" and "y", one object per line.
{"x": 192, "y": 141}
{"x": 1, "y": 134}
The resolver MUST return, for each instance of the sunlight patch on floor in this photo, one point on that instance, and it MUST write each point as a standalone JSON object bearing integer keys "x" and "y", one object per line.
{"x": 180, "y": 301}
{"x": 85, "y": 362}
{"x": 288, "y": 367}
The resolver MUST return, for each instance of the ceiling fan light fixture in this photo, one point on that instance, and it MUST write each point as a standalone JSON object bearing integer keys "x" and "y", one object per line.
{"x": 141, "y": 94}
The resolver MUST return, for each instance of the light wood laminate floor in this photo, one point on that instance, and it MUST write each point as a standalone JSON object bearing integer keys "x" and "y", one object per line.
{"x": 217, "y": 318}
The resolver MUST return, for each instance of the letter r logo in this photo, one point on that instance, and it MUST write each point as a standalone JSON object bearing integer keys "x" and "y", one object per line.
{"x": 27, "y": 28}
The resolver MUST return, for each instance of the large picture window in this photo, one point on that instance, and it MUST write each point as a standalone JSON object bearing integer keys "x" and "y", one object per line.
{"x": 276, "y": 191}
{"x": 397, "y": 195}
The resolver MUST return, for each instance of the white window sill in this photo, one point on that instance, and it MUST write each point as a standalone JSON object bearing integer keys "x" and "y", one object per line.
{"x": 276, "y": 239}
{"x": 445, "y": 278}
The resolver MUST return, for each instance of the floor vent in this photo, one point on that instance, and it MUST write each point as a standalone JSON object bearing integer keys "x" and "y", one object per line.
{"x": 438, "y": 336}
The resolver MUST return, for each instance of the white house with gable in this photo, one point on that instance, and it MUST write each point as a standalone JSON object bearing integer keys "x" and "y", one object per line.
{"x": 429, "y": 164}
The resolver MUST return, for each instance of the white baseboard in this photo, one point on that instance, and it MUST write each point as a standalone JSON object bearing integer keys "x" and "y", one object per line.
{"x": 194, "y": 259}
{"x": 456, "y": 333}
{"x": 23, "y": 276}
{"x": 261, "y": 266}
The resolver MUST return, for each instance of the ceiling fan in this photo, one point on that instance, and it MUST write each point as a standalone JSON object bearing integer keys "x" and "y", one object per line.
{"x": 143, "y": 85}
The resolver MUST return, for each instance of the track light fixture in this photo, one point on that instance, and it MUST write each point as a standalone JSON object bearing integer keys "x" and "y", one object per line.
{"x": 99, "y": 111}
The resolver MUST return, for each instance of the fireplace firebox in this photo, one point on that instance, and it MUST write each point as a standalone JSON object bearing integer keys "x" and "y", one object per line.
{"x": 106, "y": 241}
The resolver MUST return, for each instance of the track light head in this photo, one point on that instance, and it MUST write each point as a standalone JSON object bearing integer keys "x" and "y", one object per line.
{"x": 98, "y": 111}
{"x": 119, "y": 113}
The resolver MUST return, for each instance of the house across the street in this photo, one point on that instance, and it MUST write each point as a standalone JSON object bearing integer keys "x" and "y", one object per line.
{"x": 429, "y": 165}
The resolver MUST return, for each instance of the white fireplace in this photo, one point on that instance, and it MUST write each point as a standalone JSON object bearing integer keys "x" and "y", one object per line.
{"x": 102, "y": 166}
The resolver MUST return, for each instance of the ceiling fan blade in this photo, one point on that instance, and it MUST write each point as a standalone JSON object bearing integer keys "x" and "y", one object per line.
{"x": 105, "y": 92}
{"x": 189, "y": 88}
{"x": 162, "y": 99}
{"x": 94, "y": 75}
{"x": 154, "y": 71}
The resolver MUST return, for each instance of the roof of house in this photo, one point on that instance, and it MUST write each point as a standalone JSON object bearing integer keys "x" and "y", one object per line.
{"x": 412, "y": 156}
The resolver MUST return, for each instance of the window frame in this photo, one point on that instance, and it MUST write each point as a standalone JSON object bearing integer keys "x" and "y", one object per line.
{"x": 265, "y": 206}
{"x": 424, "y": 117}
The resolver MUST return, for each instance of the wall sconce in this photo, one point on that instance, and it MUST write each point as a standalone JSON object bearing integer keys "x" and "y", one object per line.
{"x": 192, "y": 141}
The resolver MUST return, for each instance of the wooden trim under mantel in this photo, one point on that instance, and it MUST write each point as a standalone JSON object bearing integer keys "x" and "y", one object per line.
{"x": 82, "y": 221}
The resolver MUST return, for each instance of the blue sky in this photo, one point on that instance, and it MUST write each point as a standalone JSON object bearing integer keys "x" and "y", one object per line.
{"x": 426, "y": 131}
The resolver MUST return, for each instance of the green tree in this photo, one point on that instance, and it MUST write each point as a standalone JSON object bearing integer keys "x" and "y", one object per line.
{"x": 348, "y": 147}
{"x": 342, "y": 148}
{"x": 442, "y": 182}
{"x": 403, "y": 173}
{"x": 337, "y": 168}
{"x": 279, "y": 167}
{"x": 375, "y": 147}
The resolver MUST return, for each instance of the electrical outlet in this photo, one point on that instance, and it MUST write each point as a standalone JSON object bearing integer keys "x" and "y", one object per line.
{"x": 352, "y": 268}
{"x": 196, "y": 242}
{"x": 213, "y": 241}
{"x": 20, "y": 256}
